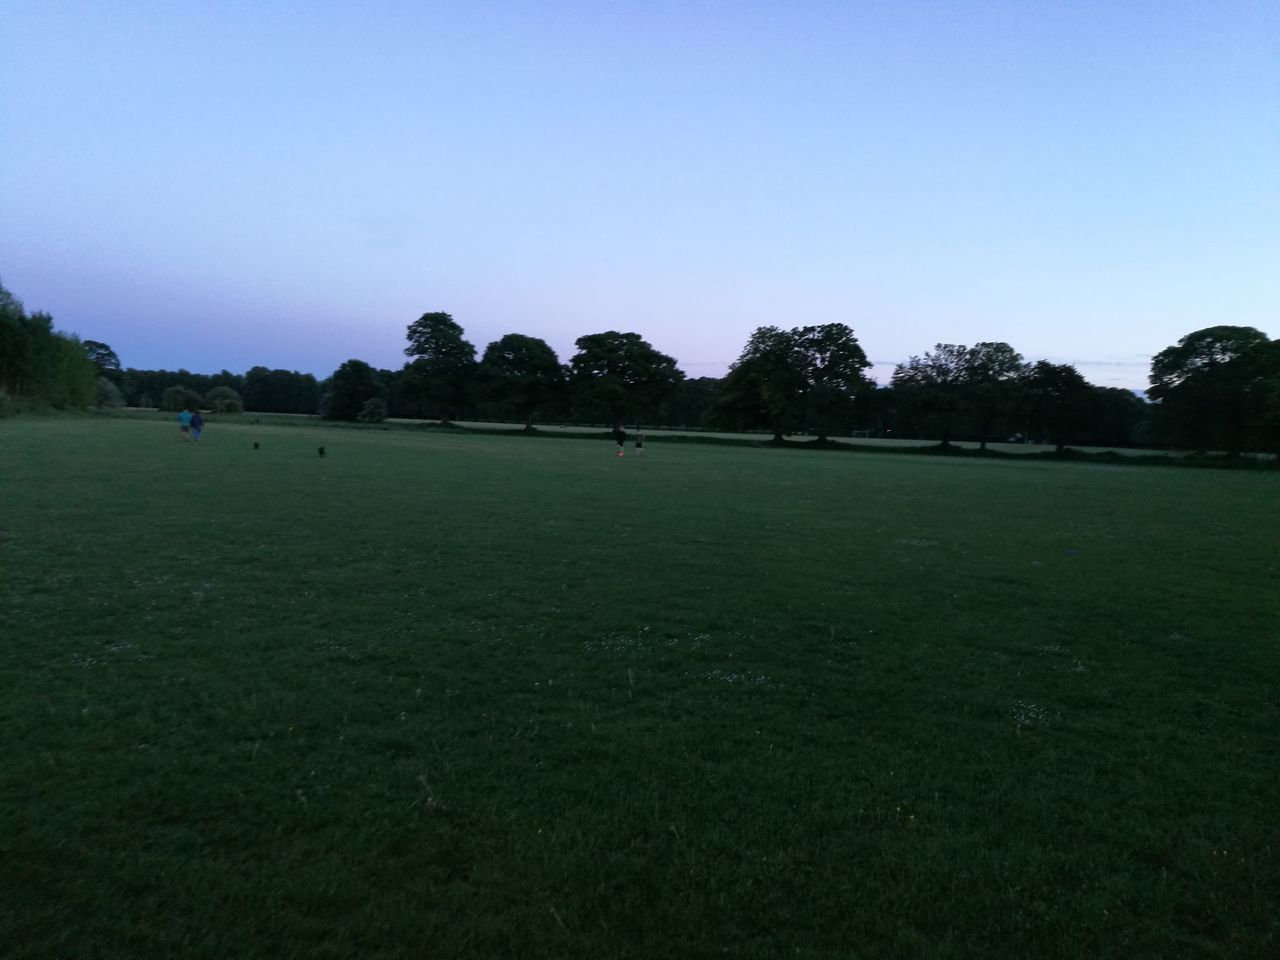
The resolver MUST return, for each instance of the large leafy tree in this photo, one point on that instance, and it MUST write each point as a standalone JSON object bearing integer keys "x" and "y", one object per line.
{"x": 992, "y": 376}
{"x": 12, "y": 340}
{"x": 784, "y": 379}
{"x": 441, "y": 374}
{"x": 103, "y": 358}
{"x": 1201, "y": 354}
{"x": 765, "y": 385}
{"x": 831, "y": 372}
{"x": 955, "y": 382}
{"x": 64, "y": 376}
{"x": 345, "y": 393}
{"x": 40, "y": 363}
{"x": 280, "y": 391}
{"x": 1265, "y": 396}
{"x": 1058, "y": 402}
{"x": 1118, "y": 418}
{"x": 1206, "y": 382}
{"x": 693, "y": 402}
{"x": 929, "y": 388}
{"x": 520, "y": 374}
{"x": 620, "y": 376}
{"x": 19, "y": 338}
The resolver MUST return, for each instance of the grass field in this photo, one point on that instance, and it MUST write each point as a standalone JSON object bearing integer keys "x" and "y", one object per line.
{"x": 440, "y": 695}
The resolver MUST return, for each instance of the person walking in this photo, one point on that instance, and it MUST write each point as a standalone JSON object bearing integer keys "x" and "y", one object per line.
{"x": 639, "y": 443}
{"x": 197, "y": 425}
{"x": 184, "y": 423}
{"x": 619, "y": 437}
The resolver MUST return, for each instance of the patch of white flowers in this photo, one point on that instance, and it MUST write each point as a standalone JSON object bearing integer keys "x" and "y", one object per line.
{"x": 1029, "y": 714}
{"x": 641, "y": 642}
{"x": 743, "y": 679}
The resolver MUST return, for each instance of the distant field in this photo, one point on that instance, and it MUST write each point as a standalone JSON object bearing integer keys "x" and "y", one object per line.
{"x": 653, "y": 433}
{"x": 447, "y": 694}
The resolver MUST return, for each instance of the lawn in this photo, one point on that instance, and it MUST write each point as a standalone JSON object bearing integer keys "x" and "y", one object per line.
{"x": 438, "y": 695}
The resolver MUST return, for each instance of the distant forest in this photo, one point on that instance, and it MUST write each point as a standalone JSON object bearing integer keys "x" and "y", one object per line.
{"x": 1215, "y": 389}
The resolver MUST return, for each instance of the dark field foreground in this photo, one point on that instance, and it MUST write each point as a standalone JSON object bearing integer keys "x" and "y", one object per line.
{"x": 440, "y": 695}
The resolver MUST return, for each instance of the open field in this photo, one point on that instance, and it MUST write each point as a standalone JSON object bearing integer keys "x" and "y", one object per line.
{"x": 879, "y": 444}
{"x": 441, "y": 695}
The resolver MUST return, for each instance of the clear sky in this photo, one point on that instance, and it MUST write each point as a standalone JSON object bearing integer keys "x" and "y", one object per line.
{"x": 223, "y": 184}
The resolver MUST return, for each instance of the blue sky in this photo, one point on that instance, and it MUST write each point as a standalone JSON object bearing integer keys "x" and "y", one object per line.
{"x": 218, "y": 185}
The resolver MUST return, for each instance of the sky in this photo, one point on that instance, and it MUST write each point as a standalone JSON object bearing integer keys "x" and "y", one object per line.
{"x": 220, "y": 185}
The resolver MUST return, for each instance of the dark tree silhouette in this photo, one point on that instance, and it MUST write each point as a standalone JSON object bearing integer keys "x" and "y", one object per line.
{"x": 831, "y": 372}
{"x": 621, "y": 376}
{"x": 1203, "y": 385}
{"x": 521, "y": 374}
{"x": 442, "y": 371}
{"x": 1058, "y": 402}
{"x": 346, "y": 392}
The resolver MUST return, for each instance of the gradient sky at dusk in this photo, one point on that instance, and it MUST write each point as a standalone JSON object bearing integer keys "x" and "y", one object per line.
{"x": 219, "y": 185}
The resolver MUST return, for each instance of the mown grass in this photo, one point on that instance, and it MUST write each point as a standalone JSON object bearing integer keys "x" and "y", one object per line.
{"x": 461, "y": 695}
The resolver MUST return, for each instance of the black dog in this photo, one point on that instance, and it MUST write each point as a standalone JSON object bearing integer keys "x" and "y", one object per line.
{"x": 322, "y": 451}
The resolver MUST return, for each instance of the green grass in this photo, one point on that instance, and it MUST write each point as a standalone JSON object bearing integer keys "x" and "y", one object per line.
{"x": 445, "y": 694}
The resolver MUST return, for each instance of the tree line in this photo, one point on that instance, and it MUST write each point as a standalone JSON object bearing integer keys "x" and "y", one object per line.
{"x": 38, "y": 364}
{"x": 1216, "y": 389}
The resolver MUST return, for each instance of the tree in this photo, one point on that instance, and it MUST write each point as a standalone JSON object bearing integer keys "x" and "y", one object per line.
{"x": 1266, "y": 394}
{"x": 103, "y": 358}
{"x": 64, "y": 376}
{"x": 521, "y": 374}
{"x": 106, "y": 395}
{"x": 224, "y": 400}
{"x": 992, "y": 375}
{"x": 976, "y": 383}
{"x": 1202, "y": 385}
{"x": 1058, "y": 402}
{"x": 765, "y": 385}
{"x": 929, "y": 388}
{"x": 15, "y": 343}
{"x": 347, "y": 391}
{"x": 441, "y": 373}
{"x": 1200, "y": 353}
{"x": 1118, "y": 418}
{"x": 38, "y": 363}
{"x": 620, "y": 376}
{"x": 693, "y": 402}
{"x": 831, "y": 371}
{"x": 807, "y": 376}
{"x": 180, "y": 397}
{"x": 280, "y": 391}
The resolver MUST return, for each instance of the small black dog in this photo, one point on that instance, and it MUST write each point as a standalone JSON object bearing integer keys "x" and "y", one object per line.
{"x": 255, "y": 444}
{"x": 322, "y": 451}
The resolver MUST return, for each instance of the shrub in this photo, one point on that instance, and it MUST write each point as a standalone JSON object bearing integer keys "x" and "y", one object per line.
{"x": 106, "y": 395}
{"x": 373, "y": 411}
{"x": 224, "y": 400}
